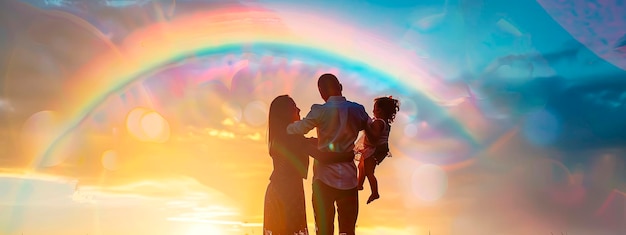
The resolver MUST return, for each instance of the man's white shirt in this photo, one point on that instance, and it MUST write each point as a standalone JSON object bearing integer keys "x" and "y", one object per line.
{"x": 338, "y": 122}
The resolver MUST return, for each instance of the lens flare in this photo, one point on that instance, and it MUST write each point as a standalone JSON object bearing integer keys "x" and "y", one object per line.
{"x": 429, "y": 182}
{"x": 109, "y": 160}
{"x": 155, "y": 127}
{"x": 147, "y": 126}
{"x": 255, "y": 113}
{"x": 132, "y": 124}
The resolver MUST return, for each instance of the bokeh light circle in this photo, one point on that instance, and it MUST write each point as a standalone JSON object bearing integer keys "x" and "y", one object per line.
{"x": 410, "y": 130}
{"x": 109, "y": 160}
{"x": 133, "y": 123}
{"x": 147, "y": 126}
{"x": 429, "y": 182}
{"x": 155, "y": 127}
{"x": 255, "y": 113}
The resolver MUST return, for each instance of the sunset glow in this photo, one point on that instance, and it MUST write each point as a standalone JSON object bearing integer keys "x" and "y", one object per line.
{"x": 151, "y": 116}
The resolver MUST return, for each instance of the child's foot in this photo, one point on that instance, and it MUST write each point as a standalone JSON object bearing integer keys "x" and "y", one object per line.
{"x": 372, "y": 198}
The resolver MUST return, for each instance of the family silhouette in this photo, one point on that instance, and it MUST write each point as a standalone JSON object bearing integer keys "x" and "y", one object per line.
{"x": 336, "y": 177}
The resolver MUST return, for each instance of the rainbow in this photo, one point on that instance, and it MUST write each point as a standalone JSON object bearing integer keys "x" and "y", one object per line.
{"x": 222, "y": 30}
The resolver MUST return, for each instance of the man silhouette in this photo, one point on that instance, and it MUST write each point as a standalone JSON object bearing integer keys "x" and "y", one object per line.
{"x": 338, "y": 122}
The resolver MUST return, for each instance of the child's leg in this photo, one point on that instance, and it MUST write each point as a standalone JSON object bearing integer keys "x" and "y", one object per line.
{"x": 361, "y": 177}
{"x": 369, "y": 167}
{"x": 374, "y": 186}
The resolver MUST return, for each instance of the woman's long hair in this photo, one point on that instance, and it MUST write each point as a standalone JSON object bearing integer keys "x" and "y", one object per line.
{"x": 279, "y": 117}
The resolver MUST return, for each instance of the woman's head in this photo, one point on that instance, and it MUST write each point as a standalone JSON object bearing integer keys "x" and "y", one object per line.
{"x": 283, "y": 110}
{"x": 386, "y": 108}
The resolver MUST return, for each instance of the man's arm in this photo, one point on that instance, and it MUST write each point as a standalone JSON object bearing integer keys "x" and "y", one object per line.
{"x": 364, "y": 118}
{"x": 307, "y": 123}
{"x": 327, "y": 157}
{"x": 365, "y": 123}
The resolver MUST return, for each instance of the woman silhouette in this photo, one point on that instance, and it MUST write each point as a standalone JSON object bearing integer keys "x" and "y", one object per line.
{"x": 284, "y": 208}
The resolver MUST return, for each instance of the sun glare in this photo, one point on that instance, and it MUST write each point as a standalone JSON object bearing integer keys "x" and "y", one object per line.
{"x": 204, "y": 229}
{"x": 429, "y": 182}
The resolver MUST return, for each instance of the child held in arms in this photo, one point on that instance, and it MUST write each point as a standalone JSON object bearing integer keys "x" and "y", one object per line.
{"x": 375, "y": 146}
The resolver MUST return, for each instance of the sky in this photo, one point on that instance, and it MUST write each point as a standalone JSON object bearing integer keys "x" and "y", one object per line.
{"x": 150, "y": 116}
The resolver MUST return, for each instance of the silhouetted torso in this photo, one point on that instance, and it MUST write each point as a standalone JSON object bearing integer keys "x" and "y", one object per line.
{"x": 290, "y": 160}
{"x": 284, "y": 208}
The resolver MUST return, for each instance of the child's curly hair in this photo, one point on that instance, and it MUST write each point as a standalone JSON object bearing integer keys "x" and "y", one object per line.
{"x": 389, "y": 107}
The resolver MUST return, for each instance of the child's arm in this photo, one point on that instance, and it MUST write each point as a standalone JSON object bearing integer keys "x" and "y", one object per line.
{"x": 374, "y": 130}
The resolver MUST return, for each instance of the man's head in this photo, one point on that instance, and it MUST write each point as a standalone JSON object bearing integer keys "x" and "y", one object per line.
{"x": 328, "y": 86}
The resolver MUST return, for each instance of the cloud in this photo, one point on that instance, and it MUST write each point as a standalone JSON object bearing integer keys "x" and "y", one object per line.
{"x": 125, "y": 3}
{"x": 228, "y": 122}
{"x": 230, "y": 131}
{"x": 220, "y": 133}
{"x": 30, "y": 197}
{"x": 43, "y": 189}
{"x": 530, "y": 195}
{"x": 256, "y": 136}
{"x": 173, "y": 187}
{"x": 33, "y": 189}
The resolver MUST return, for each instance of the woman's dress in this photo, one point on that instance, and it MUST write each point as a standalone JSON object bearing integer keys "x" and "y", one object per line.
{"x": 284, "y": 207}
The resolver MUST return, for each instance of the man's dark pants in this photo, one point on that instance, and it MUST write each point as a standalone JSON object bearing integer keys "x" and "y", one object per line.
{"x": 324, "y": 198}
